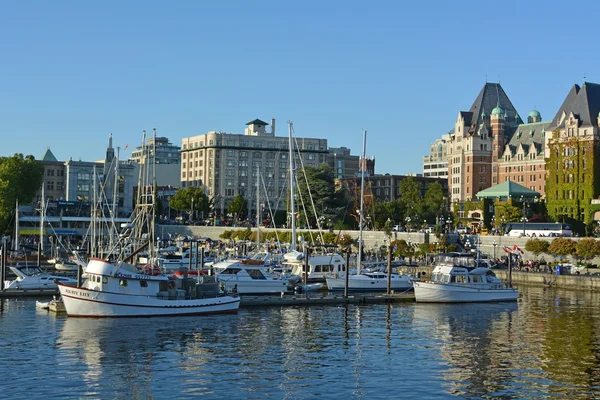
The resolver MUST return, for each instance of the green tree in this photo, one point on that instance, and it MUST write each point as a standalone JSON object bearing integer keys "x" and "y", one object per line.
{"x": 20, "y": 179}
{"x": 537, "y": 246}
{"x": 186, "y": 197}
{"x": 562, "y": 247}
{"x": 316, "y": 186}
{"x": 433, "y": 201}
{"x": 587, "y": 248}
{"x": 410, "y": 192}
{"x": 345, "y": 240}
{"x": 237, "y": 207}
{"x": 506, "y": 212}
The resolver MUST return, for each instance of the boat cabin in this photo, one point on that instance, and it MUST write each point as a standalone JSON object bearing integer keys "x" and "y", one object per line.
{"x": 451, "y": 274}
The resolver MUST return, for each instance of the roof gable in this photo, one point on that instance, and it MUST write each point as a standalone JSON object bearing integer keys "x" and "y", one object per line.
{"x": 48, "y": 156}
{"x": 257, "y": 122}
{"x": 491, "y": 96}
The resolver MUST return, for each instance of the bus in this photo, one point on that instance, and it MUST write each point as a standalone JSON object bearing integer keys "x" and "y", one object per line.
{"x": 538, "y": 229}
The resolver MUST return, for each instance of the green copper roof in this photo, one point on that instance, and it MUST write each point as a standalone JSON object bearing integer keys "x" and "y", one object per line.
{"x": 48, "y": 156}
{"x": 506, "y": 190}
{"x": 497, "y": 111}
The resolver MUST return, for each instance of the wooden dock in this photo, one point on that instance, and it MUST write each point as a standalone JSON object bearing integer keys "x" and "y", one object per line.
{"x": 323, "y": 299}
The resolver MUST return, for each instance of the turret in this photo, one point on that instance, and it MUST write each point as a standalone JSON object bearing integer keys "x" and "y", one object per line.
{"x": 534, "y": 116}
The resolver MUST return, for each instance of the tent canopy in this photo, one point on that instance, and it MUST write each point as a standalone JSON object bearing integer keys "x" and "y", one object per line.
{"x": 506, "y": 190}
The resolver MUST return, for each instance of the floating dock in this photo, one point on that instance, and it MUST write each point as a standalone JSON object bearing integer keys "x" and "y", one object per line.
{"x": 28, "y": 293}
{"x": 324, "y": 299}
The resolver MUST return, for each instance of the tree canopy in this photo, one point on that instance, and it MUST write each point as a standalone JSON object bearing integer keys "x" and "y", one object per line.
{"x": 562, "y": 247}
{"x": 537, "y": 246}
{"x": 20, "y": 179}
{"x": 237, "y": 207}
{"x": 587, "y": 248}
{"x": 317, "y": 183}
{"x": 186, "y": 197}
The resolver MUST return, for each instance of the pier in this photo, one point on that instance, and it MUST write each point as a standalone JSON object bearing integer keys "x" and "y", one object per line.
{"x": 324, "y": 299}
{"x": 11, "y": 293}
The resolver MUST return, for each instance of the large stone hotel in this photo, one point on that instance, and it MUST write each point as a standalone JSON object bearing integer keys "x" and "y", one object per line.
{"x": 225, "y": 164}
{"x": 491, "y": 144}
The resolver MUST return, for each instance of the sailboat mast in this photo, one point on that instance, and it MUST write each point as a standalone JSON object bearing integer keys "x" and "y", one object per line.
{"x": 17, "y": 230}
{"x": 363, "y": 166}
{"x": 293, "y": 213}
{"x": 257, "y": 208}
{"x": 115, "y": 186}
{"x": 42, "y": 218}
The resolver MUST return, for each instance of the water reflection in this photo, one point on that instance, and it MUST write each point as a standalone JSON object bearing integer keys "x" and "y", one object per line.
{"x": 474, "y": 342}
{"x": 546, "y": 345}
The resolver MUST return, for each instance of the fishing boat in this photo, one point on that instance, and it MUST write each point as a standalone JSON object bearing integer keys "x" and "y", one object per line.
{"x": 119, "y": 289}
{"x": 457, "y": 278}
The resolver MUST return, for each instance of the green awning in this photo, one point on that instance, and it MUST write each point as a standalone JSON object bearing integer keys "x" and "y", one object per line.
{"x": 508, "y": 189}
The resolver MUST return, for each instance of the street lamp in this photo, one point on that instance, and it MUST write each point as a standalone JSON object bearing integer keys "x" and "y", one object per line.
{"x": 524, "y": 219}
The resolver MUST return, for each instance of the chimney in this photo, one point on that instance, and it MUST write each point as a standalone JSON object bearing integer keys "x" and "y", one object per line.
{"x": 272, "y": 126}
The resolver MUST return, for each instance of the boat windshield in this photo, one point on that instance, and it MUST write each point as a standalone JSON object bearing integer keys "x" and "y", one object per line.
{"x": 457, "y": 259}
{"x": 30, "y": 270}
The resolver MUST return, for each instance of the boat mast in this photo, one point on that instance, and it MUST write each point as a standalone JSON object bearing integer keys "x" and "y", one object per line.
{"x": 42, "y": 218}
{"x": 93, "y": 216}
{"x": 115, "y": 187}
{"x": 257, "y": 208}
{"x": 363, "y": 165}
{"x": 293, "y": 214}
{"x": 17, "y": 231}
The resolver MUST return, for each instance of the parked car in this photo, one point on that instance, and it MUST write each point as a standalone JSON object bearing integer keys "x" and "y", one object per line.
{"x": 397, "y": 228}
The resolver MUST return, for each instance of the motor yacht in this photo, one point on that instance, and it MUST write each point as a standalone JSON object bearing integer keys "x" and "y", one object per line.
{"x": 249, "y": 276}
{"x": 33, "y": 277}
{"x": 370, "y": 282}
{"x": 457, "y": 278}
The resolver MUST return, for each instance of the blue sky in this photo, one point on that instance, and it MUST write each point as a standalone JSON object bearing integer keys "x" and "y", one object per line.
{"x": 75, "y": 71}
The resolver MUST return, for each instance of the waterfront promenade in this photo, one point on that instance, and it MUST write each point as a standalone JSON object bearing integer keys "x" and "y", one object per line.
{"x": 490, "y": 245}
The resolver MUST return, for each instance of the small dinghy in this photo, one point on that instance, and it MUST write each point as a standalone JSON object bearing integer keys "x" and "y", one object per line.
{"x": 313, "y": 287}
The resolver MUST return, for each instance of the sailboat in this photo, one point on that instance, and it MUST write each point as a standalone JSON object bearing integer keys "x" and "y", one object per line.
{"x": 368, "y": 281}
{"x": 319, "y": 265}
{"x": 119, "y": 289}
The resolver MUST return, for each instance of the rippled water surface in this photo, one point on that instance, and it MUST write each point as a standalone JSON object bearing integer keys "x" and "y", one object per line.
{"x": 546, "y": 345}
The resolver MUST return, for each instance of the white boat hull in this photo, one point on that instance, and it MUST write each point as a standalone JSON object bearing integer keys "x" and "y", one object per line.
{"x": 429, "y": 292}
{"x": 70, "y": 267}
{"x": 259, "y": 286}
{"x": 81, "y": 302}
{"x": 368, "y": 285}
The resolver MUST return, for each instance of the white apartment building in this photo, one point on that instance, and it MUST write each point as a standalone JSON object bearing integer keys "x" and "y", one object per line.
{"x": 226, "y": 164}
{"x": 435, "y": 165}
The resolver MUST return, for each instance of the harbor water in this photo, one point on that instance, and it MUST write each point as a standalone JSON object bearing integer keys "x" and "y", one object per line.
{"x": 545, "y": 345}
